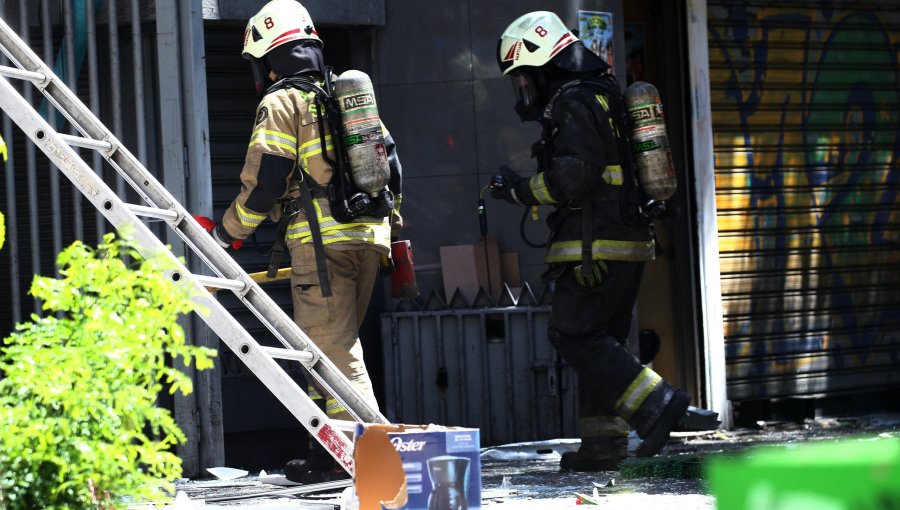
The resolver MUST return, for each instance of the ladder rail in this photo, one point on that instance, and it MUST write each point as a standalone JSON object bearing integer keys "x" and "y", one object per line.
{"x": 154, "y": 193}
{"x": 211, "y": 310}
{"x": 197, "y": 239}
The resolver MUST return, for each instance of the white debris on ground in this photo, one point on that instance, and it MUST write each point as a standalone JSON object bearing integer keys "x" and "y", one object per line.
{"x": 526, "y": 476}
{"x": 612, "y": 502}
{"x": 533, "y": 450}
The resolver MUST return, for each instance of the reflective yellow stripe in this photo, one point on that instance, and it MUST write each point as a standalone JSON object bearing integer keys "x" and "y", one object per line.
{"x": 539, "y": 189}
{"x": 248, "y": 219}
{"x": 637, "y": 392}
{"x": 603, "y": 102}
{"x": 567, "y": 251}
{"x": 603, "y": 426}
{"x": 313, "y": 392}
{"x": 341, "y": 235}
{"x": 274, "y": 138}
{"x": 332, "y": 407}
{"x": 326, "y": 224}
{"x": 613, "y": 175}
{"x": 301, "y": 228}
{"x": 313, "y": 147}
{"x": 333, "y": 231}
{"x": 3, "y": 150}
{"x": 308, "y": 95}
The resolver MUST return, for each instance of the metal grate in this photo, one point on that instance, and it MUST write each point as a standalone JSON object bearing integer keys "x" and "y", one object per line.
{"x": 491, "y": 368}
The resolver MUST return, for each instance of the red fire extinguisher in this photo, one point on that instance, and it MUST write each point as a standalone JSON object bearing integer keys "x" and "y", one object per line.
{"x": 403, "y": 279}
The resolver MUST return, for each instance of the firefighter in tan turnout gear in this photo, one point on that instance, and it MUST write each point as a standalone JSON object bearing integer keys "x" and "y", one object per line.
{"x": 291, "y": 175}
{"x": 598, "y": 243}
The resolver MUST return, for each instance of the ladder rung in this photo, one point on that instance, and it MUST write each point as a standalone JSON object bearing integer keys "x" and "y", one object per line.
{"x": 280, "y": 353}
{"x": 87, "y": 143}
{"x": 344, "y": 425}
{"x": 153, "y": 212}
{"x": 220, "y": 283}
{"x": 14, "y": 72}
{"x": 265, "y": 362}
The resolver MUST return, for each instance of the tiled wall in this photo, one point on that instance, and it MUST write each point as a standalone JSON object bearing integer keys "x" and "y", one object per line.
{"x": 451, "y": 112}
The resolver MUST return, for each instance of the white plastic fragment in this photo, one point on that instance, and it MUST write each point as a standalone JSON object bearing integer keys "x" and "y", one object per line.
{"x": 183, "y": 502}
{"x": 226, "y": 473}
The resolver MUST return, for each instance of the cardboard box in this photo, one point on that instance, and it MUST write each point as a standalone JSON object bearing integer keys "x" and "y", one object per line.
{"x": 509, "y": 269}
{"x": 417, "y": 467}
{"x": 465, "y": 267}
{"x": 458, "y": 271}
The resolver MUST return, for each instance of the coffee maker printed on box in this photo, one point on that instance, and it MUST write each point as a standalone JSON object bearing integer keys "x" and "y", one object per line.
{"x": 449, "y": 483}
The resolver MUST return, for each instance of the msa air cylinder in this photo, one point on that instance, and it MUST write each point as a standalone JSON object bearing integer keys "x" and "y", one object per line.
{"x": 649, "y": 141}
{"x": 363, "y": 139}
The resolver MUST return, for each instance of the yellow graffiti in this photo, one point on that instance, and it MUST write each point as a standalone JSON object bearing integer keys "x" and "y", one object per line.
{"x": 806, "y": 210}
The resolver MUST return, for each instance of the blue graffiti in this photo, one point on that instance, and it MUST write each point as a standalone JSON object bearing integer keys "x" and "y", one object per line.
{"x": 869, "y": 140}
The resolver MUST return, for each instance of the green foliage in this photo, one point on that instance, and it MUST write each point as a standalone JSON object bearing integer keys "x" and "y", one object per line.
{"x": 78, "y": 401}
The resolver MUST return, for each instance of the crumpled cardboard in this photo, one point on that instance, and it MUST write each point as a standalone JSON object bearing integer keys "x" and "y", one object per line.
{"x": 402, "y": 467}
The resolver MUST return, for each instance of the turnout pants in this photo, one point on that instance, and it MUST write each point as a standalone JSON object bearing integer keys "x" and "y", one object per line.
{"x": 333, "y": 323}
{"x": 589, "y": 327}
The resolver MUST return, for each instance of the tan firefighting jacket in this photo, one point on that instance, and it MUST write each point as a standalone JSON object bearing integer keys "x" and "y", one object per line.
{"x": 285, "y": 140}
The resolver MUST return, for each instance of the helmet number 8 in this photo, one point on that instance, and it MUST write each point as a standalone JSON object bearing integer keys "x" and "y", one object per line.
{"x": 541, "y": 31}
{"x": 269, "y": 22}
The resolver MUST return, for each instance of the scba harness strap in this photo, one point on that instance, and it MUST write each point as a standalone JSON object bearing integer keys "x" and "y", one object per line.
{"x": 291, "y": 207}
{"x": 590, "y": 273}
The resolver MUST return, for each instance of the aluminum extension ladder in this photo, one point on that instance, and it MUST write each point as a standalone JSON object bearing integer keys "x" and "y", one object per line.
{"x": 160, "y": 205}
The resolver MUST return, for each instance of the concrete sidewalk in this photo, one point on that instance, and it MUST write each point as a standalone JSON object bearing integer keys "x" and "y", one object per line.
{"x": 531, "y": 480}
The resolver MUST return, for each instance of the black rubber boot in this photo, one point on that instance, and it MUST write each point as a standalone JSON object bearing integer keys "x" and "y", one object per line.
{"x": 295, "y": 469}
{"x": 654, "y": 441}
{"x": 305, "y": 472}
{"x": 319, "y": 466}
{"x": 596, "y": 454}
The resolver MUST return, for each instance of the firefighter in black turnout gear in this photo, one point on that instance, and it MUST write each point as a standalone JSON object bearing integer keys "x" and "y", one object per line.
{"x": 598, "y": 242}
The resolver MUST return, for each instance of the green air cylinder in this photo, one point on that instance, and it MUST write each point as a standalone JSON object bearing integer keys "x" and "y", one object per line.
{"x": 649, "y": 141}
{"x": 363, "y": 138}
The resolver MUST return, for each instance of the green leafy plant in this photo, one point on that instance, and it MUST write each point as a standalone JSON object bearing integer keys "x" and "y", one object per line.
{"x": 81, "y": 426}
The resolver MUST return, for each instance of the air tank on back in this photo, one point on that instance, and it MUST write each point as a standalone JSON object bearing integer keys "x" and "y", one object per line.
{"x": 363, "y": 138}
{"x": 649, "y": 141}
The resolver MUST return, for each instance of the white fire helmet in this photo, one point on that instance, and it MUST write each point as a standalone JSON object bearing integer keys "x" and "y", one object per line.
{"x": 533, "y": 40}
{"x": 278, "y": 22}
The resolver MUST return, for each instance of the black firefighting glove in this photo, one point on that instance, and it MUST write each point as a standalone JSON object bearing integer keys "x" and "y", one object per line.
{"x": 504, "y": 185}
{"x": 593, "y": 276}
{"x": 387, "y": 267}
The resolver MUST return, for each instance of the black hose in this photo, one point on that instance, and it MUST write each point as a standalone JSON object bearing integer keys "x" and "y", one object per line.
{"x": 525, "y": 237}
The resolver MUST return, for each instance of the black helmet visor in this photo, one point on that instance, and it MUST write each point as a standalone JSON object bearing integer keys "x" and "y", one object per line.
{"x": 524, "y": 88}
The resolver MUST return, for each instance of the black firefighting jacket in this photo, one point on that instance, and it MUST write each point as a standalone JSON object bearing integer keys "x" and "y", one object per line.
{"x": 580, "y": 158}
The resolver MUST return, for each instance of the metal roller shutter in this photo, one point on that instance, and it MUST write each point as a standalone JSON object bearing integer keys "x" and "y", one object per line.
{"x": 806, "y": 123}
{"x": 232, "y": 103}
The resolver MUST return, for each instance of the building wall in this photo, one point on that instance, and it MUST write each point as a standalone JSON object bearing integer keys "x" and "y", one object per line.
{"x": 443, "y": 99}
{"x": 323, "y": 12}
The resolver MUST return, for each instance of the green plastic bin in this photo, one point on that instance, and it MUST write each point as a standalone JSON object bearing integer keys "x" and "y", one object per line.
{"x": 862, "y": 473}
